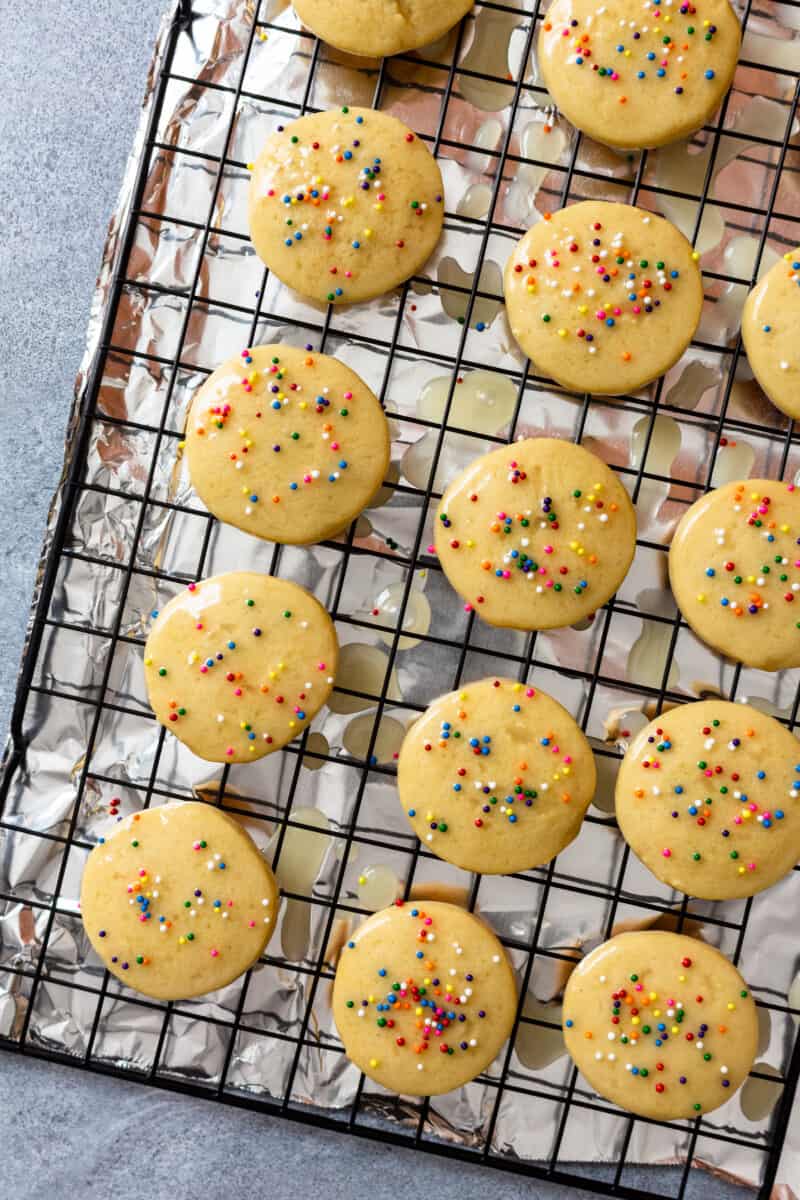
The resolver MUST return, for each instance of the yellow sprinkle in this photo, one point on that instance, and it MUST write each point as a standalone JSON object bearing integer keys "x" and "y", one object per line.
{"x": 148, "y": 662}
{"x": 303, "y": 404}
{"x": 656, "y": 1012}
{"x": 250, "y": 166}
{"x": 784, "y": 528}
{"x": 181, "y": 445}
{"x": 371, "y": 999}
{"x": 654, "y": 995}
{"x": 695, "y": 256}
{"x": 181, "y": 941}
{"x": 634, "y": 1020}
{"x": 517, "y": 687}
{"x": 562, "y": 333}
{"x": 418, "y": 1012}
{"x": 373, "y": 1062}
{"x": 702, "y": 598}
{"x": 583, "y": 309}
{"x": 470, "y": 543}
{"x": 681, "y": 979}
{"x": 731, "y": 1006}
{"x": 367, "y": 233}
{"x": 362, "y": 879}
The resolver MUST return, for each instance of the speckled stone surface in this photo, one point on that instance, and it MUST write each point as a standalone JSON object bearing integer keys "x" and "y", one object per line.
{"x": 74, "y": 75}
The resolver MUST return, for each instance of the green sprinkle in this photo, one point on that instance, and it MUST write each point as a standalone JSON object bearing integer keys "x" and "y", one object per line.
{"x": 162, "y": 671}
{"x": 287, "y": 613}
{"x": 545, "y": 317}
{"x": 250, "y": 603}
{"x": 134, "y": 843}
{"x": 139, "y": 959}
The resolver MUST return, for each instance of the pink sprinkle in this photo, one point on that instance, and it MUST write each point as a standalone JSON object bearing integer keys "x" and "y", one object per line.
{"x": 548, "y": 549}
{"x": 753, "y": 807}
{"x": 214, "y": 953}
{"x": 530, "y": 692}
{"x": 230, "y": 904}
{"x": 637, "y": 308}
{"x": 737, "y": 820}
{"x": 321, "y": 666}
{"x": 428, "y": 921}
{"x": 229, "y": 751}
{"x": 251, "y": 924}
{"x": 204, "y": 670}
{"x": 467, "y": 608}
{"x": 751, "y": 866}
{"x": 549, "y": 583}
{"x": 334, "y": 445}
{"x": 348, "y": 395}
{"x": 237, "y": 691}
{"x": 192, "y": 587}
{"x": 666, "y": 853}
{"x": 199, "y": 625}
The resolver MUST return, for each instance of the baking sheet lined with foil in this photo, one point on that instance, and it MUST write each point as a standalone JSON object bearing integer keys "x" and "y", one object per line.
{"x": 438, "y": 350}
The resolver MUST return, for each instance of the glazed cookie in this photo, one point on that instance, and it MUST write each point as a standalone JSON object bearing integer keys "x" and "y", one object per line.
{"x": 536, "y": 535}
{"x": 603, "y": 297}
{"x": 238, "y": 665}
{"x": 424, "y": 997}
{"x": 286, "y": 444}
{"x": 345, "y": 205}
{"x": 496, "y": 777}
{"x": 178, "y": 901}
{"x": 636, "y": 76}
{"x": 661, "y": 1024}
{"x": 771, "y": 333}
{"x": 708, "y": 797}
{"x": 734, "y": 567}
{"x": 377, "y": 27}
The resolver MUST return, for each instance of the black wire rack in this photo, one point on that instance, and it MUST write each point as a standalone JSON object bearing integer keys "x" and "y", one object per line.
{"x": 777, "y": 161}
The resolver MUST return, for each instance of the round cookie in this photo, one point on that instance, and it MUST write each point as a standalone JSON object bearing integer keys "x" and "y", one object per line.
{"x": 734, "y": 567}
{"x": 239, "y": 664}
{"x": 771, "y": 333}
{"x": 374, "y": 28}
{"x": 708, "y": 797}
{"x": 286, "y": 444}
{"x": 178, "y": 901}
{"x": 424, "y": 997}
{"x": 603, "y": 297}
{"x": 636, "y": 76}
{"x": 345, "y": 205}
{"x": 536, "y": 535}
{"x": 496, "y": 777}
{"x": 661, "y": 1024}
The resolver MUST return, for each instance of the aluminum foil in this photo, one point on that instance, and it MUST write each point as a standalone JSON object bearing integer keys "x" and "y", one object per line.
{"x": 88, "y": 737}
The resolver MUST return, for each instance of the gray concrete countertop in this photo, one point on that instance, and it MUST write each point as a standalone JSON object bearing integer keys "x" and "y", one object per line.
{"x": 74, "y": 76}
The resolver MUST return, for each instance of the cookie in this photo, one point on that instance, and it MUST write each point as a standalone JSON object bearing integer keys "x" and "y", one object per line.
{"x": 708, "y": 797}
{"x": 345, "y": 205}
{"x": 178, "y": 901}
{"x": 635, "y": 75}
{"x": 496, "y": 777}
{"x": 771, "y": 333}
{"x": 286, "y": 444}
{"x": 239, "y": 664}
{"x": 379, "y": 27}
{"x": 536, "y": 535}
{"x": 734, "y": 567}
{"x": 424, "y": 997}
{"x": 603, "y": 297}
{"x": 661, "y": 1024}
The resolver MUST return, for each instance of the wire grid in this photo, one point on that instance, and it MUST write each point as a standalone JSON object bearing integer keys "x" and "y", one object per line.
{"x": 546, "y": 881}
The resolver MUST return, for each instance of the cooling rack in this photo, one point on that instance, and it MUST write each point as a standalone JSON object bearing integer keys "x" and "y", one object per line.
{"x": 574, "y": 175}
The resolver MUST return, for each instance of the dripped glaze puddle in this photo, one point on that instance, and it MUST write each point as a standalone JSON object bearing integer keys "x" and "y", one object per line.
{"x": 739, "y": 259}
{"x": 362, "y": 668}
{"x": 475, "y": 201}
{"x": 732, "y": 462}
{"x": 454, "y": 303}
{"x": 378, "y": 887}
{"x": 662, "y": 447}
{"x": 758, "y": 1097}
{"x": 299, "y": 864}
{"x": 688, "y": 390}
{"x": 484, "y": 402}
{"x": 546, "y": 149}
{"x": 682, "y": 169}
{"x": 488, "y": 55}
{"x": 316, "y": 744}
{"x": 537, "y": 1046}
{"x": 388, "y": 739}
{"x": 416, "y": 618}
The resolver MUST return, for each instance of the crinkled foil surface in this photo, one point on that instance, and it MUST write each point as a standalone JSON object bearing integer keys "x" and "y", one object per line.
{"x": 326, "y": 809}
